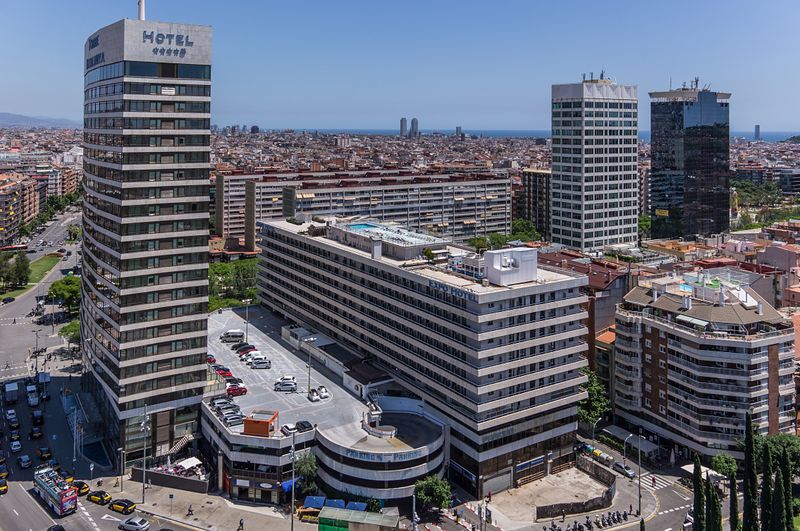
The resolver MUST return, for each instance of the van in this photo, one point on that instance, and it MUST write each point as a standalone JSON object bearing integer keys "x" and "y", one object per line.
{"x": 255, "y": 356}
{"x": 261, "y": 363}
{"x": 286, "y": 386}
{"x": 232, "y": 336}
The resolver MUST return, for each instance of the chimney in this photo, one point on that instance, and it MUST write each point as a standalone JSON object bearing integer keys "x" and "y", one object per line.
{"x": 760, "y": 309}
{"x": 141, "y": 9}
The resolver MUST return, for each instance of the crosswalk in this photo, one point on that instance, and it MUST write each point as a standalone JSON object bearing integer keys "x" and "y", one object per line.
{"x": 675, "y": 509}
{"x": 649, "y": 484}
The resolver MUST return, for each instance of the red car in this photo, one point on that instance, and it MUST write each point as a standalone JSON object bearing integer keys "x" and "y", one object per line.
{"x": 211, "y": 359}
{"x": 224, "y": 371}
{"x": 246, "y": 351}
{"x": 236, "y": 390}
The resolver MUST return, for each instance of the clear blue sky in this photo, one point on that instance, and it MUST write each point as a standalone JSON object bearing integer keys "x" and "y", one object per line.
{"x": 478, "y": 64}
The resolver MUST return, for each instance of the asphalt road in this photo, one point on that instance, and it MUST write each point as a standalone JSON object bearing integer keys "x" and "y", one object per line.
{"x": 56, "y": 233}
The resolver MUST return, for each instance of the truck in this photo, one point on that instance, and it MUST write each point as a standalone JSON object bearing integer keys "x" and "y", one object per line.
{"x": 11, "y": 390}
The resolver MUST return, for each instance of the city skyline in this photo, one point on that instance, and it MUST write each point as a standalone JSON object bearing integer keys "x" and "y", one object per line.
{"x": 313, "y": 69}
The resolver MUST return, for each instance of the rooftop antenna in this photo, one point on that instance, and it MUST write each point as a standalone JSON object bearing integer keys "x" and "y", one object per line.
{"x": 584, "y": 76}
{"x": 591, "y": 76}
{"x": 670, "y": 82}
{"x": 141, "y": 9}
{"x": 602, "y": 74}
{"x": 696, "y": 82}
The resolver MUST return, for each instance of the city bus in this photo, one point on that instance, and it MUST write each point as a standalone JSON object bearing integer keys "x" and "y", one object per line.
{"x": 55, "y": 492}
{"x": 14, "y": 248}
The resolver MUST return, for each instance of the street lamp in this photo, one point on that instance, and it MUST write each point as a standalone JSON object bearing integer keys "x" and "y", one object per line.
{"x": 594, "y": 426}
{"x": 246, "y": 303}
{"x": 121, "y": 452}
{"x": 625, "y": 448}
{"x": 639, "y": 513}
{"x": 145, "y": 427}
{"x": 291, "y": 516}
{"x": 36, "y": 348}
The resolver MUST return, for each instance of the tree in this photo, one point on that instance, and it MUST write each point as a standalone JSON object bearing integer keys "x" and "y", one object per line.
{"x": 734, "y": 503}
{"x": 778, "y": 515}
{"x": 597, "y": 403}
{"x": 373, "y": 505}
{"x": 699, "y": 511}
{"x": 432, "y": 492}
{"x": 497, "y": 240}
{"x": 71, "y": 331}
{"x": 786, "y": 475}
{"x": 67, "y": 290}
{"x": 21, "y": 270}
{"x": 479, "y": 243}
{"x": 750, "y": 514}
{"x": 723, "y": 464}
{"x": 524, "y": 230}
{"x": 766, "y": 489}
{"x": 641, "y": 524}
{"x": 306, "y": 467}
{"x": 714, "y": 519}
{"x": 645, "y": 224}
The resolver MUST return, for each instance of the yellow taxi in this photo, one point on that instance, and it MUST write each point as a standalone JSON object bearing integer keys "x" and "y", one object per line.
{"x": 81, "y": 486}
{"x": 99, "y": 497}
{"x": 122, "y": 506}
{"x": 3, "y": 471}
{"x": 3, "y": 486}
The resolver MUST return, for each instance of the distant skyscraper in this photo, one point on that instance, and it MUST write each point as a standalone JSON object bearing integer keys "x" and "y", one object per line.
{"x": 458, "y": 130}
{"x": 594, "y": 185}
{"x": 403, "y": 127}
{"x": 757, "y": 134}
{"x": 144, "y": 290}
{"x": 690, "y": 151}
{"x": 414, "y": 133}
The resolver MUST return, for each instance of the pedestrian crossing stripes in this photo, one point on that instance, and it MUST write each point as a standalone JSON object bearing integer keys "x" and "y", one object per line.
{"x": 660, "y": 483}
{"x": 674, "y": 509}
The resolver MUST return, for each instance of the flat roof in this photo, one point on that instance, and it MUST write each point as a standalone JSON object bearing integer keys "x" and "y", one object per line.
{"x": 264, "y": 332}
{"x": 413, "y": 432}
{"x": 392, "y": 234}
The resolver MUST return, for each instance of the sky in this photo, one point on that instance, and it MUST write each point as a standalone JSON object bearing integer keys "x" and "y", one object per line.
{"x": 478, "y": 64}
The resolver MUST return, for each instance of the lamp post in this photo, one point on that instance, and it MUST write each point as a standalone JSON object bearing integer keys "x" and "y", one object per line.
{"x": 121, "y": 467}
{"x": 145, "y": 427}
{"x": 291, "y": 515}
{"x": 625, "y": 448}
{"x": 36, "y": 349}
{"x": 594, "y": 426}
{"x": 246, "y": 303}
{"x": 639, "y": 513}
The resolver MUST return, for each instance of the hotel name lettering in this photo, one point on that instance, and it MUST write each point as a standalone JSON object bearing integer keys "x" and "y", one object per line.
{"x": 452, "y": 290}
{"x": 169, "y": 44}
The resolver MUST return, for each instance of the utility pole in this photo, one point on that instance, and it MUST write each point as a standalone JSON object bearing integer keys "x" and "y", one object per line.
{"x": 291, "y": 516}
{"x": 74, "y": 438}
{"x": 145, "y": 428}
{"x": 121, "y": 452}
{"x": 414, "y": 518}
{"x": 639, "y": 513}
{"x": 246, "y": 318}
{"x": 309, "y": 373}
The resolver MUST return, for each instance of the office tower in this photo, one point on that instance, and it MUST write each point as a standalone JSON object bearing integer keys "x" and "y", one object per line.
{"x": 403, "y": 127}
{"x": 145, "y": 217}
{"x": 414, "y": 133}
{"x": 536, "y": 199}
{"x": 594, "y": 198}
{"x": 694, "y": 354}
{"x": 690, "y": 152}
{"x": 757, "y": 133}
{"x": 458, "y": 131}
{"x": 493, "y": 344}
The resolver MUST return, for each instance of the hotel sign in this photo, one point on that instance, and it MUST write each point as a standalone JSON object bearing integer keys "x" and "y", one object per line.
{"x": 452, "y": 290}
{"x": 169, "y": 44}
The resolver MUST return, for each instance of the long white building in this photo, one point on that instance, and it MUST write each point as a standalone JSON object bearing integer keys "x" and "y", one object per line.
{"x": 493, "y": 344}
{"x": 594, "y": 185}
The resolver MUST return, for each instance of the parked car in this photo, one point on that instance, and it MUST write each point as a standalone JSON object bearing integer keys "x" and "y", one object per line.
{"x": 3, "y": 471}
{"x": 8, "y": 300}
{"x": 81, "y": 487}
{"x": 16, "y": 446}
{"x": 236, "y": 390}
{"x": 211, "y": 359}
{"x": 239, "y": 345}
{"x": 13, "y": 435}
{"x": 288, "y": 429}
{"x": 44, "y": 453}
{"x": 303, "y": 426}
{"x": 323, "y": 392}
{"x": 134, "y": 523}
{"x": 99, "y": 497}
{"x": 123, "y": 506}
{"x": 3, "y": 486}
{"x": 2, "y": 457}
{"x": 219, "y": 402}
{"x": 245, "y": 347}
{"x": 285, "y": 386}
{"x": 224, "y": 371}
{"x": 37, "y": 418}
{"x": 624, "y": 469}
{"x": 24, "y": 461}
{"x": 36, "y": 433}
{"x": 313, "y": 395}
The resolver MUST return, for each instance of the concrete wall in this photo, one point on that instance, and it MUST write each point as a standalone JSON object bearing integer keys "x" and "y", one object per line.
{"x": 598, "y": 472}
{"x": 170, "y": 480}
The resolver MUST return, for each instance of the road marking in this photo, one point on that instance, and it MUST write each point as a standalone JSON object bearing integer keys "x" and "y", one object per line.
{"x": 109, "y": 517}
{"x": 15, "y": 512}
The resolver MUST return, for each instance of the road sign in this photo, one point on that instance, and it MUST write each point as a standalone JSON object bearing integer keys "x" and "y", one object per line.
{"x": 91, "y": 467}
{"x": 54, "y": 436}
{"x": 171, "y": 496}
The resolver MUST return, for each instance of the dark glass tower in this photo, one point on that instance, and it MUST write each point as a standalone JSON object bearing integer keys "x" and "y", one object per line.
{"x": 690, "y": 176}
{"x": 145, "y": 216}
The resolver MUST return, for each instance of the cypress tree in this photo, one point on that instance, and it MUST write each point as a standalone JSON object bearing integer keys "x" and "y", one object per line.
{"x": 734, "y": 503}
{"x": 699, "y": 511}
{"x": 766, "y": 489}
{"x": 715, "y": 519}
{"x": 786, "y": 473}
{"x": 778, "y": 516}
{"x": 641, "y": 524}
{"x": 709, "y": 505}
{"x": 750, "y": 485}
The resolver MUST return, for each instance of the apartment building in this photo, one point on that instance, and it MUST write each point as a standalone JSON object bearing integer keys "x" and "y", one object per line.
{"x": 458, "y": 206}
{"x": 536, "y": 199}
{"x": 11, "y": 207}
{"x": 493, "y": 344}
{"x": 595, "y": 182}
{"x": 693, "y": 354}
{"x": 30, "y": 200}
{"x": 144, "y": 300}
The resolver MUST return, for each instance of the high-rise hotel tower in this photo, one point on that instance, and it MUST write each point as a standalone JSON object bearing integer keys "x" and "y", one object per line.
{"x": 145, "y": 216}
{"x": 595, "y": 182}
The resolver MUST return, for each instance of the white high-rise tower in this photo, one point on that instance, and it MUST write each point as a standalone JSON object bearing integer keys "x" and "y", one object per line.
{"x": 594, "y": 187}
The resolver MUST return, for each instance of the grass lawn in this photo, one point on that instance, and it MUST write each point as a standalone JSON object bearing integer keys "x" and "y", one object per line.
{"x": 797, "y": 522}
{"x": 39, "y": 268}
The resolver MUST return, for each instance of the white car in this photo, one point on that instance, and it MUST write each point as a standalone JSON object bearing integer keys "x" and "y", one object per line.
{"x": 24, "y": 461}
{"x": 134, "y": 523}
{"x": 11, "y": 414}
{"x": 16, "y": 446}
{"x": 286, "y": 379}
{"x": 313, "y": 395}
{"x": 323, "y": 392}
{"x": 288, "y": 429}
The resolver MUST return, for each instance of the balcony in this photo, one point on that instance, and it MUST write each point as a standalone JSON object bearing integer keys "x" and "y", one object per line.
{"x": 706, "y": 386}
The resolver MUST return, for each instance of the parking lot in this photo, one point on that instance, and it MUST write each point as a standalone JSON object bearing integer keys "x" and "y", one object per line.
{"x": 264, "y": 333}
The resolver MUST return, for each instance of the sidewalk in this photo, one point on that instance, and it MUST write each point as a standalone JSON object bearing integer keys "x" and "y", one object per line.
{"x": 210, "y": 511}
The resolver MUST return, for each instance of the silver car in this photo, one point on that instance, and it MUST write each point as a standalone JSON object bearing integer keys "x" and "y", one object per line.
{"x": 134, "y": 523}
